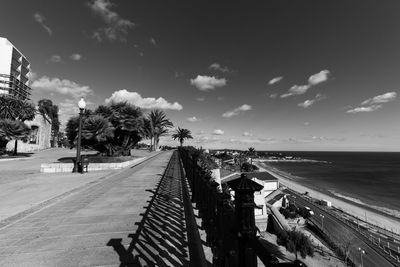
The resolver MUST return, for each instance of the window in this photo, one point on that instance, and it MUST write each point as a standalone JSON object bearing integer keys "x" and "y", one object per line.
{"x": 33, "y": 138}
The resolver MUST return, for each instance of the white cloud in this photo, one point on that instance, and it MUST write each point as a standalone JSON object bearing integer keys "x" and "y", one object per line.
{"x": 296, "y": 90}
{"x": 218, "y": 132}
{"x": 67, "y": 109}
{"x": 116, "y": 27}
{"x": 32, "y": 76}
{"x": 146, "y": 103}
{"x": 64, "y": 87}
{"x": 275, "y": 80}
{"x": 220, "y": 98}
{"x": 193, "y": 119}
{"x": 246, "y": 134}
{"x": 236, "y": 111}
{"x": 39, "y": 18}
{"x": 55, "y": 58}
{"x": 200, "y": 99}
{"x": 375, "y": 103}
{"x": 153, "y": 41}
{"x": 379, "y": 99}
{"x": 319, "y": 77}
{"x": 364, "y": 109}
{"x": 217, "y": 66}
{"x": 309, "y": 102}
{"x": 179, "y": 74}
{"x": 76, "y": 57}
{"x": 273, "y": 96}
{"x": 306, "y": 123}
{"x": 314, "y": 79}
{"x": 205, "y": 83}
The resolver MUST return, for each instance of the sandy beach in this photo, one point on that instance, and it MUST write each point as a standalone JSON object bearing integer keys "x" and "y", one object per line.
{"x": 372, "y": 217}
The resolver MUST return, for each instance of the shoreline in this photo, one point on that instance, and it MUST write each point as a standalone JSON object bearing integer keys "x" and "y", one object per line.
{"x": 379, "y": 219}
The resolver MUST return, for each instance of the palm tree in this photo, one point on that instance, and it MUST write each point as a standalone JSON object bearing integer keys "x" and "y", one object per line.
{"x": 181, "y": 134}
{"x": 251, "y": 152}
{"x": 13, "y": 129}
{"x": 158, "y": 126}
{"x": 15, "y": 109}
{"x": 49, "y": 111}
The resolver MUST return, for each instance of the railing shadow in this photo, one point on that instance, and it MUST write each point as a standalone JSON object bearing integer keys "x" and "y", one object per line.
{"x": 160, "y": 238}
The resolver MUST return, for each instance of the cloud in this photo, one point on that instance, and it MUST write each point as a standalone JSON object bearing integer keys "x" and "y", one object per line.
{"x": 273, "y": 96}
{"x": 201, "y": 99}
{"x": 319, "y": 77}
{"x": 193, "y": 119}
{"x": 153, "y": 41}
{"x": 308, "y": 103}
{"x": 364, "y": 109}
{"x": 32, "y": 76}
{"x": 275, "y": 80}
{"x": 55, "y": 58}
{"x": 217, "y": 66}
{"x": 306, "y": 123}
{"x": 218, "y": 132}
{"x": 220, "y": 98}
{"x": 67, "y": 109}
{"x": 39, "y": 18}
{"x": 379, "y": 99}
{"x": 205, "y": 83}
{"x": 296, "y": 90}
{"x": 246, "y": 134}
{"x": 116, "y": 27}
{"x": 375, "y": 103}
{"x": 145, "y": 103}
{"x": 236, "y": 111}
{"x": 64, "y": 87}
{"x": 314, "y": 79}
{"x": 76, "y": 57}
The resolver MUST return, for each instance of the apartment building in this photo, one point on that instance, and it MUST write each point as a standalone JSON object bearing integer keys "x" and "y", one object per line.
{"x": 14, "y": 71}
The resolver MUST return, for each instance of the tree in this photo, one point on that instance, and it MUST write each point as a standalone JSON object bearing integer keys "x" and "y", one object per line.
{"x": 15, "y": 109}
{"x": 251, "y": 152}
{"x": 158, "y": 126}
{"x": 112, "y": 130}
{"x": 13, "y": 129}
{"x": 181, "y": 134}
{"x": 297, "y": 242}
{"x": 49, "y": 111}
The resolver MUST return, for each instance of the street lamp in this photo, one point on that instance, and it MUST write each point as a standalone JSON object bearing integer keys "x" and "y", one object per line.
{"x": 78, "y": 163}
{"x": 322, "y": 218}
{"x": 361, "y": 255}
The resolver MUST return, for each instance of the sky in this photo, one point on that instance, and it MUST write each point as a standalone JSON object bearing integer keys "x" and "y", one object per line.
{"x": 274, "y": 75}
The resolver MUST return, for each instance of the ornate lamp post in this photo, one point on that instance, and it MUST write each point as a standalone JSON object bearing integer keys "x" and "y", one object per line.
{"x": 78, "y": 163}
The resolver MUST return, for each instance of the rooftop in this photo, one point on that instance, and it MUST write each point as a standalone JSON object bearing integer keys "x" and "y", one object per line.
{"x": 264, "y": 176}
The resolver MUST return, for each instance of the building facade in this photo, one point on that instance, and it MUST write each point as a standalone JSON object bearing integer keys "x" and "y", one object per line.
{"x": 14, "y": 71}
{"x": 14, "y": 82}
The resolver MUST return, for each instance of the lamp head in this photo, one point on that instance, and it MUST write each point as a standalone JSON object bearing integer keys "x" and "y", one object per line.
{"x": 82, "y": 104}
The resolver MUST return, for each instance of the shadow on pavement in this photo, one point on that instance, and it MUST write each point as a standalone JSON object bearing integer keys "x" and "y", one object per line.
{"x": 160, "y": 238}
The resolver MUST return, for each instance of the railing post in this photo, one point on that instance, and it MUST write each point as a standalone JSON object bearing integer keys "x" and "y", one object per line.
{"x": 244, "y": 212}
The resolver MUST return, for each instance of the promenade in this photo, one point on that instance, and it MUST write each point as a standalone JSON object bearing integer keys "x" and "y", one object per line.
{"x": 131, "y": 217}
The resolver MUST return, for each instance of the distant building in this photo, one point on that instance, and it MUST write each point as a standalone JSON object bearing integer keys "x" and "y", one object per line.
{"x": 14, "y": 71}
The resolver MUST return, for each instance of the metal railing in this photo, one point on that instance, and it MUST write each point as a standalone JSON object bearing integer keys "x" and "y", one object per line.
{"x": 230, "y": 227}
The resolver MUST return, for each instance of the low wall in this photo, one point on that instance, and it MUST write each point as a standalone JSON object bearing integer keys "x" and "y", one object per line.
{"x": 68, "y": 167}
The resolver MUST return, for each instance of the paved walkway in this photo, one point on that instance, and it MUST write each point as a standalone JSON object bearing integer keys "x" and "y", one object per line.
{"x": 132, "y": 218}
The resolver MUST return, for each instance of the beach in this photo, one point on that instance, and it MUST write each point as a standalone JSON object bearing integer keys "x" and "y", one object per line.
{"x": 372, "y": 217}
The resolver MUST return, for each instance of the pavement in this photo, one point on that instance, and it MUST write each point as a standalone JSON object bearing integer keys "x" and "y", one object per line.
{"x": 131, "y": 217}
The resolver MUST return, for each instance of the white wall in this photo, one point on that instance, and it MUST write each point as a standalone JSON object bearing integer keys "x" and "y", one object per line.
{"x": 6, "y": 49}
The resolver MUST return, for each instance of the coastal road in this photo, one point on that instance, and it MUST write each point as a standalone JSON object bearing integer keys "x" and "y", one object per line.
{"x": 98, "y": 224}
{"x": 341, "y": 231}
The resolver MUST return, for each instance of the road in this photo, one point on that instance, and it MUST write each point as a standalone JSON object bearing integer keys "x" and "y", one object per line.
{"x": 337, "y": 229}
{"x": 98, "y": 225}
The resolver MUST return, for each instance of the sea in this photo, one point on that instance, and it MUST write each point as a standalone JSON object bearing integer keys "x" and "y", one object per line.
{"x": 370, "y": 179}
